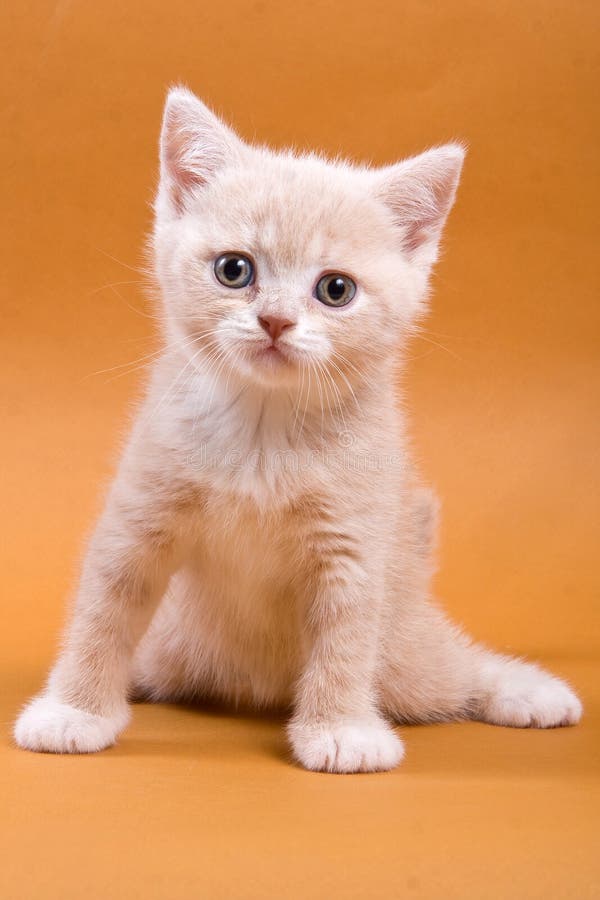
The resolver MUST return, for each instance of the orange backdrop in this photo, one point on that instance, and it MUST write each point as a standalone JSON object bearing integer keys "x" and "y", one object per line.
{"x": 503, "y": 386}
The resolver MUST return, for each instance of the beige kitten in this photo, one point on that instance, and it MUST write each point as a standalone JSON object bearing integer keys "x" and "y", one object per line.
{"x": 265, "y": 540}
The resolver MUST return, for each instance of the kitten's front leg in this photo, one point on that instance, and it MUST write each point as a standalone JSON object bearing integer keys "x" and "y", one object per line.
{"x": 336, "y": 726}
{"x": 129, "y": 560}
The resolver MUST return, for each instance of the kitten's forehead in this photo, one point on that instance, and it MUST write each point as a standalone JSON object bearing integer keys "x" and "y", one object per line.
{"x": 295, "y": 212}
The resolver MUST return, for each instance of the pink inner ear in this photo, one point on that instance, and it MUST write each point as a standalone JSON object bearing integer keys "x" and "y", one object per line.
{"x": 425, "y": 211}
{"x": 182, "y": 170}
{"x": 175, "y": 160}
{"x": 421, "y": 192}
{"x": 416, "y": 236}
{"x": 422, "y": 220}
{"x": 194, "y": 144}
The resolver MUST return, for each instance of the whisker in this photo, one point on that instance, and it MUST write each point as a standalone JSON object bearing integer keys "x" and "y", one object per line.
{"x": 216, "y": 359}
{"x": 141, "y": 359}
{"x": 303, "y": 369}
{"x": 422, "y": 337}
{"x": 307, "y": 396}
{"x": 320, "y": 390}
{"x": 112, "y": 284}
{"x": 169, "y": 345}
{"x": 350, "y": 388}
{"x": 174, "y": 383}
{"x": 340, "y": 400}
{"x": 144, "y": 272}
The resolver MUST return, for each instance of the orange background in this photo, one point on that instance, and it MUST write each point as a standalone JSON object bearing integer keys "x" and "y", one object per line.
{"x": 503, "y": 388}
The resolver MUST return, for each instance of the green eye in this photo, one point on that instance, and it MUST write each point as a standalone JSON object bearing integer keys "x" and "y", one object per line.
{"x": 335, "y": 290}
{"x": 234, "y": 270}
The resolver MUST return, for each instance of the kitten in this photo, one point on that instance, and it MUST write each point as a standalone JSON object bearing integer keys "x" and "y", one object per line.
{"x": 266, "y": 540}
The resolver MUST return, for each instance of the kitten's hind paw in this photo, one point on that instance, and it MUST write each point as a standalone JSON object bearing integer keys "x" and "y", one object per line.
{"x": 48, "y": 726}
{"x": 346, "y": 746}
{"x": 524, "y": 696}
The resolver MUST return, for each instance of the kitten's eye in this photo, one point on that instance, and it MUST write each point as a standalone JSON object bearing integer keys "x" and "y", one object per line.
{"x": 234, "y": 270}
{"x": 335, "y": 290}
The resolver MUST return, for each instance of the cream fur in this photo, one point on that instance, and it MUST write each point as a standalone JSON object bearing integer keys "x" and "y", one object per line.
{"x": 266, "y": 540}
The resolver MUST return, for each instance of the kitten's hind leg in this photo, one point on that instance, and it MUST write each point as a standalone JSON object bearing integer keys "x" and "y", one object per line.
{"x": 520, "y": 694}
{"x": 429, "y": 670}
{"x": 433, "y": 672}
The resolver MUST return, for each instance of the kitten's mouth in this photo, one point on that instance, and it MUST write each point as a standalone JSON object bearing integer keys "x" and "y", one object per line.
{"x": 272, "y": 353}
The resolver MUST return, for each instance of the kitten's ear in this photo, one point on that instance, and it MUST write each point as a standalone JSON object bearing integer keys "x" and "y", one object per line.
{"x": 194, "y": 144}
{"x": 420, "y": 192}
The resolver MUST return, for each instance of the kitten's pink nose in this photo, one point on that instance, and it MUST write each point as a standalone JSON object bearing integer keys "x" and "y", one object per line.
{"x": 274, "y": 325}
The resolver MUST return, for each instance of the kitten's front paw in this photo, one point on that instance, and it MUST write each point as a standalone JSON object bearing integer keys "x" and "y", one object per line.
{"x": 49, "y": 726}
{"x": 346, "y": 746}
{"x": 524, "y": 696}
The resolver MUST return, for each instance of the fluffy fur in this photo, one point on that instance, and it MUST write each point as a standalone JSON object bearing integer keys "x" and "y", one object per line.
{"x": 266, "y": 540}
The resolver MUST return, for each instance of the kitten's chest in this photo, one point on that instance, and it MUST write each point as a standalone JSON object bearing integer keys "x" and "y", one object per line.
{"x": 260, "y": 459}
{"x": 242, "y": 547}
{"x": 246, "y": 589}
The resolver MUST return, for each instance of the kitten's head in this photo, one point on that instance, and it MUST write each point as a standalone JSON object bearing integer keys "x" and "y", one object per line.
{"x": 273, "y": 264}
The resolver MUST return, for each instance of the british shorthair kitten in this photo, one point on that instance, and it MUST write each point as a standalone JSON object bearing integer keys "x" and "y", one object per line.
{"x": 266, "y": 541}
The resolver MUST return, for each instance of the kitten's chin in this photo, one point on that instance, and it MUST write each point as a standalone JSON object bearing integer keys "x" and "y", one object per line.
{"x": 272, "y": 365}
